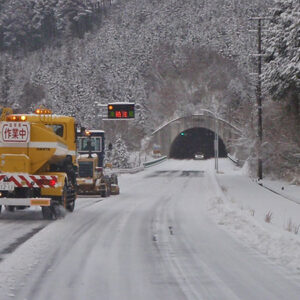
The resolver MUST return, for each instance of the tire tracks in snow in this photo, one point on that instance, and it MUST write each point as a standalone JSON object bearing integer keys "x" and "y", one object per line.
{"x": 23, "y": 219}
{"x": 163, "y": 235}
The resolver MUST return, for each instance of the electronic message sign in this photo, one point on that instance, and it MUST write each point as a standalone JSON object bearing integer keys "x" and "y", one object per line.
{"x": 120, "y": 110}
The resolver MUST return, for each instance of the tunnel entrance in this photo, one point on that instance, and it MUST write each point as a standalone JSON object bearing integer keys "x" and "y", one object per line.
{"x": 196, "y": 140}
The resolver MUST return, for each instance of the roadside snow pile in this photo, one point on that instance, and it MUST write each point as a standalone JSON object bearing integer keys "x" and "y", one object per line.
{"x": 262, "y": 219}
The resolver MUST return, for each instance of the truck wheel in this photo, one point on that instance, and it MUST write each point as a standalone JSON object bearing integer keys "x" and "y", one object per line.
{"x": 10, "y": 208}
{"x": 64, "y": 197}
{"x": 47, "y": 212}
{"x": 58, "y": 211}
{"x": 114, "y": 179}
{"x": 71, "y": 206}
{"x": 104, "y": 193}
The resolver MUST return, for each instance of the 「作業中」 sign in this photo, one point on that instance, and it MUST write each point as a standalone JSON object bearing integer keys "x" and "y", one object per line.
{"x": 15, "y": 132}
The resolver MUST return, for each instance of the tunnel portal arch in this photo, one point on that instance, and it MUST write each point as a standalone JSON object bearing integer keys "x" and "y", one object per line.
{"x": 196, "y": 140}
{"x": 164, "y": 137}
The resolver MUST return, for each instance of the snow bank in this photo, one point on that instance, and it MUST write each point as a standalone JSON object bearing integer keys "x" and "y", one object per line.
{"x": 262, "y": 219}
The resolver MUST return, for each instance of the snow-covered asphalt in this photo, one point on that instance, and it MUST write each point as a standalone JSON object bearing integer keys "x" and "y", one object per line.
{"x": 158, "y": 239}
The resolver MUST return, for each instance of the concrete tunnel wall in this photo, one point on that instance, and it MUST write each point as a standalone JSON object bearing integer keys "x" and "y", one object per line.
{"x": 165, "y": 136}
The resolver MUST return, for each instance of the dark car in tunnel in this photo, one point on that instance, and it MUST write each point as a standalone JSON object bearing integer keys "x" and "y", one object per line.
{"x": 199, "y": 156}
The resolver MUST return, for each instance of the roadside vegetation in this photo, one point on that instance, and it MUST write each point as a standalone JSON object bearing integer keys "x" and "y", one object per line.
{"x": 171, "y": 59}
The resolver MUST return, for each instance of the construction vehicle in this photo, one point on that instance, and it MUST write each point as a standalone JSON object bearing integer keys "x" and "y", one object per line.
{"x": 92, "y": 141}
{"x": 38, "y": 161}
{"x": 91, "y": 178}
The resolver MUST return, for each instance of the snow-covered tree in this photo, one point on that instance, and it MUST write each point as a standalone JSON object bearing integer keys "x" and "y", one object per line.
{"x": 44, "y": 21}
{"x": 282, "y": 73}
{"x": 74, "y": 16}
{"x": 170, "y": 57}
{"x": 119, "y": 153}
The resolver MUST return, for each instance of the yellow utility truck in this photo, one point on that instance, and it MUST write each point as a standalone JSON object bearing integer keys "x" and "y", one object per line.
{"x": 38, "y": 161}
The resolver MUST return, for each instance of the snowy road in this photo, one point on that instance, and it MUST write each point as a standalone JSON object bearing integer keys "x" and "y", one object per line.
{"x": 156, "y": 240}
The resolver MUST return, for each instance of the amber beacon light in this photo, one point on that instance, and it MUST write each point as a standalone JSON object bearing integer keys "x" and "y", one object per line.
{"x": 120, "y": 111}
{"x": 41, "y": 111}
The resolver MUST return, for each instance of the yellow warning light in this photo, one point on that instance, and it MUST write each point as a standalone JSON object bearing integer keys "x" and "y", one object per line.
{"x": 87, "y": 133}
{"x": 40, "y": 111}
{"x": 110, "y": 107}
{"x": 16, "y": 118}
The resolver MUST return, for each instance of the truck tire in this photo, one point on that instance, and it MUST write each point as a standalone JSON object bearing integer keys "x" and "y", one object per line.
{"x": 64, "y": 197}
{"x": 58, "y": 211}
{"x": 47, "y": 212}
{"x": 114, "y": 179}
{"x": 71, "y": 206}
{"x": 105, "y": 193}
{"x": 10, "y": 208}
{"x": 53, "y": 212}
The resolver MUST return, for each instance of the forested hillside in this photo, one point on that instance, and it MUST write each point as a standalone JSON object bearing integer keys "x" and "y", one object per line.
{"x": 171, "y": 57}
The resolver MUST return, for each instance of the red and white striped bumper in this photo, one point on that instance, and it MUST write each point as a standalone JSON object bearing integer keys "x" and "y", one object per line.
{"x": 31, "y": 181}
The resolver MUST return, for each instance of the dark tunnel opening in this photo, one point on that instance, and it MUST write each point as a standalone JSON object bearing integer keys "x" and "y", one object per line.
{"x": 196, "y": 140}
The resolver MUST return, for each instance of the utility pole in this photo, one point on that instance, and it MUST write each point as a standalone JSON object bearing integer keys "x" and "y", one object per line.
{"x": 259, "y": 96}
{"x": 259, "y": 103}
{"x": 216, "y": 144}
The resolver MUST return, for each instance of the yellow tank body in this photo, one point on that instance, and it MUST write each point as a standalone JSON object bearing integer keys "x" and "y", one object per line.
{"x": 44, "y": 147}
{"x": 35, "y": 148}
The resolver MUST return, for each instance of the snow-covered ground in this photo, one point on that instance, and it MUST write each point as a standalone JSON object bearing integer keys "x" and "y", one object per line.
{"x": 176, "y": 231}
{"x": 244, "y": 208}
{"x": 288, "y": 190}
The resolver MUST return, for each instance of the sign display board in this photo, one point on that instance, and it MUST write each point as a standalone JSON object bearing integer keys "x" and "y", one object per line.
{"x": 121, "y": 110}
{"x": 15, "y": 132}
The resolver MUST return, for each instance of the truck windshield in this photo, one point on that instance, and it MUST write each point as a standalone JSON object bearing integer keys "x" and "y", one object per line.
{"x": 58, "y": 129}
{"x": 82, "y": 144}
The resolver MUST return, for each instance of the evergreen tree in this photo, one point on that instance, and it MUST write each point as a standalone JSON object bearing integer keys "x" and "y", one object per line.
{"x": 15, "y": 23}
{"x": 282, "y": 73}
{"x": 44, "y": 21}
{"x": 75, "y": 16}
{"x": 119, "y": 155}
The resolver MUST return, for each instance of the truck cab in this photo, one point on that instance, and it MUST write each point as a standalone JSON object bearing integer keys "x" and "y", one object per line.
{"x": 92, "y": 141}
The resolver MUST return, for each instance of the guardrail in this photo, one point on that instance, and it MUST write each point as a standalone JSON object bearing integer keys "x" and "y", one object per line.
{"x": 154, "y": 162}
{"x": 263, "y": 185}
{"x": 234, "y": 160}
{"x": 125, "y": 171}
{"x": 282, "y": 194}
{"x": 140, "y": 168}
